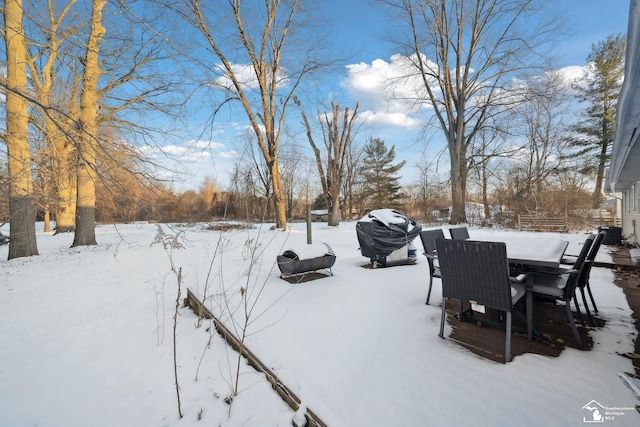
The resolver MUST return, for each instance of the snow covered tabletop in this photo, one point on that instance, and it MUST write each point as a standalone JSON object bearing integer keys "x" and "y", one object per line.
{"x": 542, "y": 251}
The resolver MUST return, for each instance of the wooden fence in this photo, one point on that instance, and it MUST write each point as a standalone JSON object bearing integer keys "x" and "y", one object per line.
{"x": 543, "y": 223}
{"x": 562, "y": 224}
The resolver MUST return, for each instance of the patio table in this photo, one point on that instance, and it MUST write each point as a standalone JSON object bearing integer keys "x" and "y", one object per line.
{"x": 525, "y": 252}
{"x": 532, "y": 251}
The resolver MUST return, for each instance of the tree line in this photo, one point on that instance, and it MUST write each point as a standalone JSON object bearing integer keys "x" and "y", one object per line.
{"x": 86, "y": 82}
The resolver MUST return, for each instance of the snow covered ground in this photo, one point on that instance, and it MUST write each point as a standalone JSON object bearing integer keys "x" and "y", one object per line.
{"x": 86, "y": 339}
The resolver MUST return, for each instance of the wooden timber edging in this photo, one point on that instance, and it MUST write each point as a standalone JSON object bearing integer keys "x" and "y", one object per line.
{"x": 285, "y": 392}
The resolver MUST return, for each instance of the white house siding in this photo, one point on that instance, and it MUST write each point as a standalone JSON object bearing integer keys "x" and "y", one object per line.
{"x": 631, "y": 213}
{"x": 624, "y": 170}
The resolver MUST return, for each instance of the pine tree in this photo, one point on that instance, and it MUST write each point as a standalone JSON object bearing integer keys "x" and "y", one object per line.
{"x": 601, "y": 91}
{"x": 381, "y": 182}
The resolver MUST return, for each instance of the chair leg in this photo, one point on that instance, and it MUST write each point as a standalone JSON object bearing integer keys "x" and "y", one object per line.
{"x": 507, "y": 350}
{"x": 593, "y": 302}
{"x": 443, "y": 316}
{"x": 430, "y": 284}
{"x": 586, "y": 308}
{"x": 529, "y": 309}
{"x": 574, "y": 328}
{"x": 575, "y": 301}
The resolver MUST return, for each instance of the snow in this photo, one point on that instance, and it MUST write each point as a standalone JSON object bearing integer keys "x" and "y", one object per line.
{"x": 548, "y": 249}
{"x": 314, "y": 250}
{"x": 86, "y": 338}
{"x": 387, "y": 217}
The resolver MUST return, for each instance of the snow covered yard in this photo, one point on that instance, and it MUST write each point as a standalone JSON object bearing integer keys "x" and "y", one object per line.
{"x": 86, "y": 339}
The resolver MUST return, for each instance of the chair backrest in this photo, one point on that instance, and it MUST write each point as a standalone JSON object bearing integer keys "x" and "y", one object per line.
{"x": 597, "y": 242}
{"x": 583, "y": 279}
{"x": 582, "y": 266}
{"x": 476, "y": 271}
{"x": 459, "y": 233}
{"x": 429, "y": 237}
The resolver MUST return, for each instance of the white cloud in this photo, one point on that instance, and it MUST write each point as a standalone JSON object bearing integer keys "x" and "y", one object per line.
{"x": 388, "y": 119}
{"x": 392, "y": 92}
{"x": 185, "y": 153}
{"x": 192, "y": 151}
{"x": 233, "y": 154}
{"x": 187, "y": 164}
{"x": 246, "y": 75}
{"x": 199, "y": 144}
{"x": 572, "y": 73}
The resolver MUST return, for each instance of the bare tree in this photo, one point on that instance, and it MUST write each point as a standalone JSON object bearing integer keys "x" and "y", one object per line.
{"x": 43, "y": 62}
{"x": 293, "y": 181}
{"x": 337, "y": 139}
{"x": 256, "y": 177}
{"x": 465, "y": 54}
{"x": 544, "y": 121}
{"x": 209, "y": 193}
{"x": 262, "y": 71}
{"x": 83, "y": 86}
{"x": 490, "y": 145}
{"x": 352, "y": 182}
{"x": 429, "y": 192}
{"x": 85, "y": 233}
{"x": 22, "y": 218}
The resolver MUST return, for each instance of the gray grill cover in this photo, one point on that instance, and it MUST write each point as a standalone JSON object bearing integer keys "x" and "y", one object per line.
{"x": 382, "y": 231}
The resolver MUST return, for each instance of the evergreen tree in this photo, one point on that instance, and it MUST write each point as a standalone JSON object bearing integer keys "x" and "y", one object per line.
{"x": 319, "y": 203}
{"x": 600, "y": 91}
{"x": 379, "y": 173}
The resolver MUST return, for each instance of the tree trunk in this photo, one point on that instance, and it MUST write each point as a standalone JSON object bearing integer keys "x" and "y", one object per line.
{"x": 85, "y": 233}
{"x": 66, "y": 170}
{"x": 47, "y": 219}
{"x": 334, "y": 213}
{"x": 43, "y": 68}
{"x": 279, "y": 203}
{"x": 458, "y": 185}
{"x": 67, "y": 193}
{"x": 22, "y": 219}
{"x": 485, "y": 191}
{"x": 597, "y": 191}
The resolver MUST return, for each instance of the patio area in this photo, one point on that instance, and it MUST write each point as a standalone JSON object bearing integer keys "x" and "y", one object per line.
{"x": 359, "y": 347}
{"x": 488, "y": 342}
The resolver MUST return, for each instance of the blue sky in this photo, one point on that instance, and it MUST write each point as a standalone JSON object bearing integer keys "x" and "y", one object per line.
{"x": 359, "y": 26}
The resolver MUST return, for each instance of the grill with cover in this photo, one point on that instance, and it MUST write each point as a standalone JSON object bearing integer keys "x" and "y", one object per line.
{"x": 384, "y": 236}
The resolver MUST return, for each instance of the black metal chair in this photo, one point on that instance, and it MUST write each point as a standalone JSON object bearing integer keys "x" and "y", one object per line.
{"x": 583, "y": 281}
{"x": 559, "y": 284}
{"x": 478, "y": 272}
{"x": 459, "y": 233}
{"x": 428, "y": 238}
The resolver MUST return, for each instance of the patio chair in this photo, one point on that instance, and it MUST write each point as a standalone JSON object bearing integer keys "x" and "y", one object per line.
{"x": 478, "y": 272}
{"x": 459, "y": 233}
{"x": 583, "y": 281}
{"x": 428, "y": 238}
{"x": 559, "y": 284}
